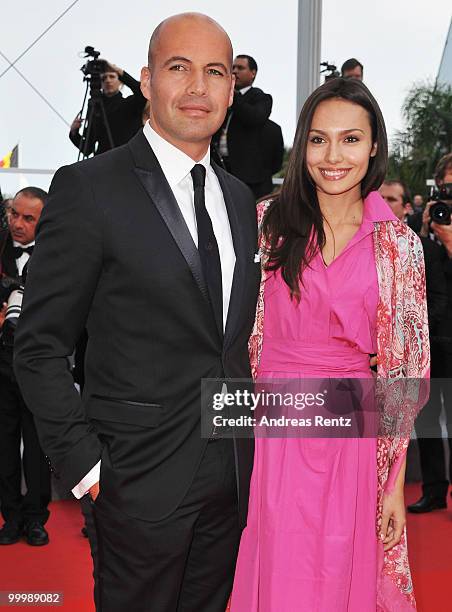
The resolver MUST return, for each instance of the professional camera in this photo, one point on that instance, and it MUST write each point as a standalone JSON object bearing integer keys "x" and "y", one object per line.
{"x": 11, "y": 292}
{"x": 329, "y": 70}
{"x": 440, "y": 211}
{"x": 93, "y": 70}
{"x": 94, "y": 67}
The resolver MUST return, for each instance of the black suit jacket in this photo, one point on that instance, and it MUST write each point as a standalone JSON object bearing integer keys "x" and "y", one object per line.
{"x": 273, "y": 143}
{"x": 438, "y": 275}
{"x": 113, "y": 253}
{"x": 436, "y": 284}
{"x": 443, "y": 328}
{"x": 245, "y": 136}
{"x": 8, "y": 267}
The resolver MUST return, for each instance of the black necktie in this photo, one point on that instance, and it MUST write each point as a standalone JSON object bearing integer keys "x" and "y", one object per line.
{"x": 208, "y": 247}
{"x": 18, "y": 251}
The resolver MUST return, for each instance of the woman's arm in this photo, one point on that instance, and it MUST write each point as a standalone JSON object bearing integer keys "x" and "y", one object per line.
{"x": 393, "y": 514}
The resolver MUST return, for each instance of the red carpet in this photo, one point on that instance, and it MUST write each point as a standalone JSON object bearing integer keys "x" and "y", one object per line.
{"x": 65, "y": 564}
{"x": 62, "y": 566}
{"x": 430, "y": 552}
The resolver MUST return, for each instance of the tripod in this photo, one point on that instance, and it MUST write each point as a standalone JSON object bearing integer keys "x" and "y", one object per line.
{"x": 96, "y": 114}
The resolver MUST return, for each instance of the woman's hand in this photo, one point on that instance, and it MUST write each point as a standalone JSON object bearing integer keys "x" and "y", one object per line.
{"x": 393, "y": 514}
{"x": 393, "y": 518}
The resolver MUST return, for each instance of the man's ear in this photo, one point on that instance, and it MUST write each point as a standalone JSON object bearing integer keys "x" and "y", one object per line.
{"x": 231, "y": 92}
{"x": 145, "y": 82}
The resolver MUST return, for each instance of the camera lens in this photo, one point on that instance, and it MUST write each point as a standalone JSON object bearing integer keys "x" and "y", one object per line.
{"x": 440, "y": 213}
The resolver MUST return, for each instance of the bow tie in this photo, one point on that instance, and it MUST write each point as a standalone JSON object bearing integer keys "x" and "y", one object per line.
{"x": 18, "y": 251}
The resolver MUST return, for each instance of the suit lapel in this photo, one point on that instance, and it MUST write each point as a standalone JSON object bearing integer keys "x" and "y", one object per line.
{"x": 151, "y": 176}
{"x": 7, "y": 255}
{"x": 240, "y": 257}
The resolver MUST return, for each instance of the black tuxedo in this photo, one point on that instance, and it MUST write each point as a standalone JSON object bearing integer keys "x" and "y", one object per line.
{"x": 436, "y": 284}
{"x": 247, "y": 156}
{"x": 114, "y": 254}
{"x": 8, "y": 265}
{"x": 16, "y": 423}
{"x": 438, "y": 272}
{"x": 8, "y": 268}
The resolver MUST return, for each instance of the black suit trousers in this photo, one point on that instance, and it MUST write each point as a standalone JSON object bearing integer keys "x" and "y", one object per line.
{"x": 428, "y": 428}
{"x": 183, "y": 563}
{"x": 16, "y": 422}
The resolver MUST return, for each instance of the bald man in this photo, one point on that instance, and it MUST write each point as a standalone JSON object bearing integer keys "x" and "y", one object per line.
{"x": 151, "y": 247}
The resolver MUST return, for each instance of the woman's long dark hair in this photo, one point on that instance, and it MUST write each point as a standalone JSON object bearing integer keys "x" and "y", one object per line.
{"x": 295, "y": 212}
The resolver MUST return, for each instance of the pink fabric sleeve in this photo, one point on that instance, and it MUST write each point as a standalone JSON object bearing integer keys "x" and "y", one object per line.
{"x": 394, "y": 472}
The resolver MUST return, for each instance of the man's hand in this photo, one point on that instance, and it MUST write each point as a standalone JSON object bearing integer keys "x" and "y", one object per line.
{"x": 393, "y": 518}
{"x": 426, "y": 220}
{"x": 444, "y": 234}
{"x": 113, "y": 68}
{"x": 75, "y": 125}
{"x": 3, "y": 313}
{"x": 94, "y": 491}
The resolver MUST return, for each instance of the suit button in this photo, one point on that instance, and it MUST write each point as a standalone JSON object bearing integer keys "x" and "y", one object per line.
{"x": 51, "y": 468}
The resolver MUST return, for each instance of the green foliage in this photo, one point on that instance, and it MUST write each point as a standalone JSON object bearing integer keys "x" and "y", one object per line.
{"x": 415, "y": 151}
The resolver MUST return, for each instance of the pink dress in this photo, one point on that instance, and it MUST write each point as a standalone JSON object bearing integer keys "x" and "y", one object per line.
{"x": 310, "y": 544}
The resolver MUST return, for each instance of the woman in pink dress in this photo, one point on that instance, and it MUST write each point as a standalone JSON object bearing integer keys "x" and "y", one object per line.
{"x": 342, "y": 279}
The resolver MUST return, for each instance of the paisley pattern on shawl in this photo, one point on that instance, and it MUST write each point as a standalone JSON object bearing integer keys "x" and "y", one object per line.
{"x": 403, "y": 359}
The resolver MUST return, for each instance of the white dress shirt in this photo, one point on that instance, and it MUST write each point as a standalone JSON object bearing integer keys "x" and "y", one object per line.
{"x": 244, "y": 90}
{"x": 176, "y": 167}
{"x": 23, "y": 259}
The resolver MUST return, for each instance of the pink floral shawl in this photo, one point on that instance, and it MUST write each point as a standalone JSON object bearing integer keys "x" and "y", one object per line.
{"x": 403, "y": 352}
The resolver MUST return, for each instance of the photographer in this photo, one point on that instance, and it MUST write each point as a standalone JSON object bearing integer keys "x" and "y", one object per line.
{"x": 124, "y": 115}
{"x": 397, "y": 196}
{"x": 435, "y": 482}
{"x": 23, "y": 514}
{"x": 442, "y": 232}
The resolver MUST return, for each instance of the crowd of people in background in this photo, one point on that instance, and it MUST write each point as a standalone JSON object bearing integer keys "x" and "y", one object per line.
{"x": 248, "y": 145}
{"x": 436, "y": 237}
{"x": 24, "y": 515}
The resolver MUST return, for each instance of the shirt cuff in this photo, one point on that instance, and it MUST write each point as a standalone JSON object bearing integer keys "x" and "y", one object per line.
{"x": 87, "y": 482}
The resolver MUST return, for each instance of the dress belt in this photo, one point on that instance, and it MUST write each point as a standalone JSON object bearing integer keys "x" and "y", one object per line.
{"x": 291, "y": 356}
